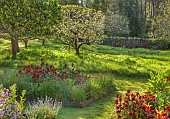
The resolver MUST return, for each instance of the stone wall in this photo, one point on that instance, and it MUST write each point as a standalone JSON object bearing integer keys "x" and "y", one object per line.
{"x": 138, "y": 43}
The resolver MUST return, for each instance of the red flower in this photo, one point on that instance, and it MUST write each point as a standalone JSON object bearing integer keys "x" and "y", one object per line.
{"x": 55, "y": 72}
{"x": 118, "y": 111}
{"x": 133, "y": 97}
{"x": 147, "y": 108}
{"x": 137, "y": 94}
{"x": 128, "y": 91}
{"x": 46, "y": 64}
{"x": 19, "y": 71}
{"x": 119, "y": 116}
{"x": 66, "y": 77}
{"x": 116, "y": 101}
{"x": 64, "y": 72}
{"x": 161, "y": 114}
{"x": 130, "y": 113}
{"x": 27, "y": 70}
{"x": 117, "y": 95}
{"x": 16, "y": 75}
{"x": 120, "y": 98}
{"x": 61, "y": 77}
{"x": 168, "y": 108}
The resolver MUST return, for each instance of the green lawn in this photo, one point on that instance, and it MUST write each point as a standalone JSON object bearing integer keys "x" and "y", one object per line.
{"x": 129, "y": 69}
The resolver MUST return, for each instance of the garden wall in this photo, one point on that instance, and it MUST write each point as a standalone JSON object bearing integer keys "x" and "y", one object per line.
{"x": 138, "y": 43}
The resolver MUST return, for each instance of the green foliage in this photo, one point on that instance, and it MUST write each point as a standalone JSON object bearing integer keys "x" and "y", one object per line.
{"x": 78, "y": 94}
{"x": 134, "y": 11}
{"x": 28, "y": 19}
{"x": 159, "y": 86}
{"x": 43, "y": 109}
{"x": 162, "y": 23}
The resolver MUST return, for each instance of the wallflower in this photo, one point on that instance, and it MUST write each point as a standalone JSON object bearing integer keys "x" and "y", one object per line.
{"x": 116, "y": 101}
{"x": 168, "y": 108}
{"x": 130, "y": 113}
{"x": 128, "y": 91}
{"x": 147, "y": 108}
{"x": 161, "y": 114}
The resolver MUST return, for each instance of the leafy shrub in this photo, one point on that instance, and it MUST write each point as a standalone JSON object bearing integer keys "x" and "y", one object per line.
{"x": 78, "y": 94}
{"x": 136, "y": 106}
{"x": 99, "y": 87}
{"x": 9, "y": 106}
{"x": 43, "y": 109}
{"x": 57, "y": 89}
{"x": 159, "y": 85}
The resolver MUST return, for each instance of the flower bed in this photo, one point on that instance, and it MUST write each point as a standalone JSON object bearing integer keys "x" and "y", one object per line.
{"x": 136, "y": 106}
{"x": 65, "y": 84}
{"x": 154, "y": 104}
{"x": 11, "y": 108}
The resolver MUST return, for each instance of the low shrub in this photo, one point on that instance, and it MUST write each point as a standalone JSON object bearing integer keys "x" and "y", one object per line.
{"x": 43, "y": 109}
{"x": 159, "y": 85}
{"x": 10, "y": 108}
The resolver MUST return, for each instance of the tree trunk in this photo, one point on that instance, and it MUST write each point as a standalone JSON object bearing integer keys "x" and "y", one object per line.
{"x": 77, "y": 51}
{"x": 26, "y": 44}
{"x": 43, "y": 42}
{"x": 14, "y": 48}
{"x": 17, "y": 44}
{"x": 77, "y": 47}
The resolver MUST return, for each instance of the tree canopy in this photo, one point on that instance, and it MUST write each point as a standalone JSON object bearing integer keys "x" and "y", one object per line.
{"x": 80, "y": 26}
{"x": 27, "y": 19}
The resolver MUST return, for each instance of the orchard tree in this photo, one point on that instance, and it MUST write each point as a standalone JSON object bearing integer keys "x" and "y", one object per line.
{"x": 80, "y": 26}
{"x": 28, "y": 19}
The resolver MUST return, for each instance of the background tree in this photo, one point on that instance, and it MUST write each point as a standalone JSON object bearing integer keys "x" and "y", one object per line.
{"x": 162, "y": 22}
{"x": 27, "y": 19}
{"x": 116, "y": 25}
{"x": 80, "y": 26}
{"x": 133, "y": 10}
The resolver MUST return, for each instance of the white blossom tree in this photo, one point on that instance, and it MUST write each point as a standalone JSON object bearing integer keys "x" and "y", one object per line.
{"x": 80, "y": 26}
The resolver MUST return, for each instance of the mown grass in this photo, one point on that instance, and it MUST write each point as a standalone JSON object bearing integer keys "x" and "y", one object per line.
{"x": 129, "y": 68}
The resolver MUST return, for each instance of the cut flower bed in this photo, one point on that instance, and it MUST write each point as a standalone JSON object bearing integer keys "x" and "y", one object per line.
{"x": 65, "y": 84}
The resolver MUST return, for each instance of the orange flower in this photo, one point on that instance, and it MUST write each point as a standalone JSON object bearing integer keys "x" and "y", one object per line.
{"x": 147, "y": 108}
{"x": 161, "y": 114}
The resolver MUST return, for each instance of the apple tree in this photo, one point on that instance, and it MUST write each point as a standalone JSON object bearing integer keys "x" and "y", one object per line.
{"x": 80, "y": 25}
{"x": 21, "y": 19}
